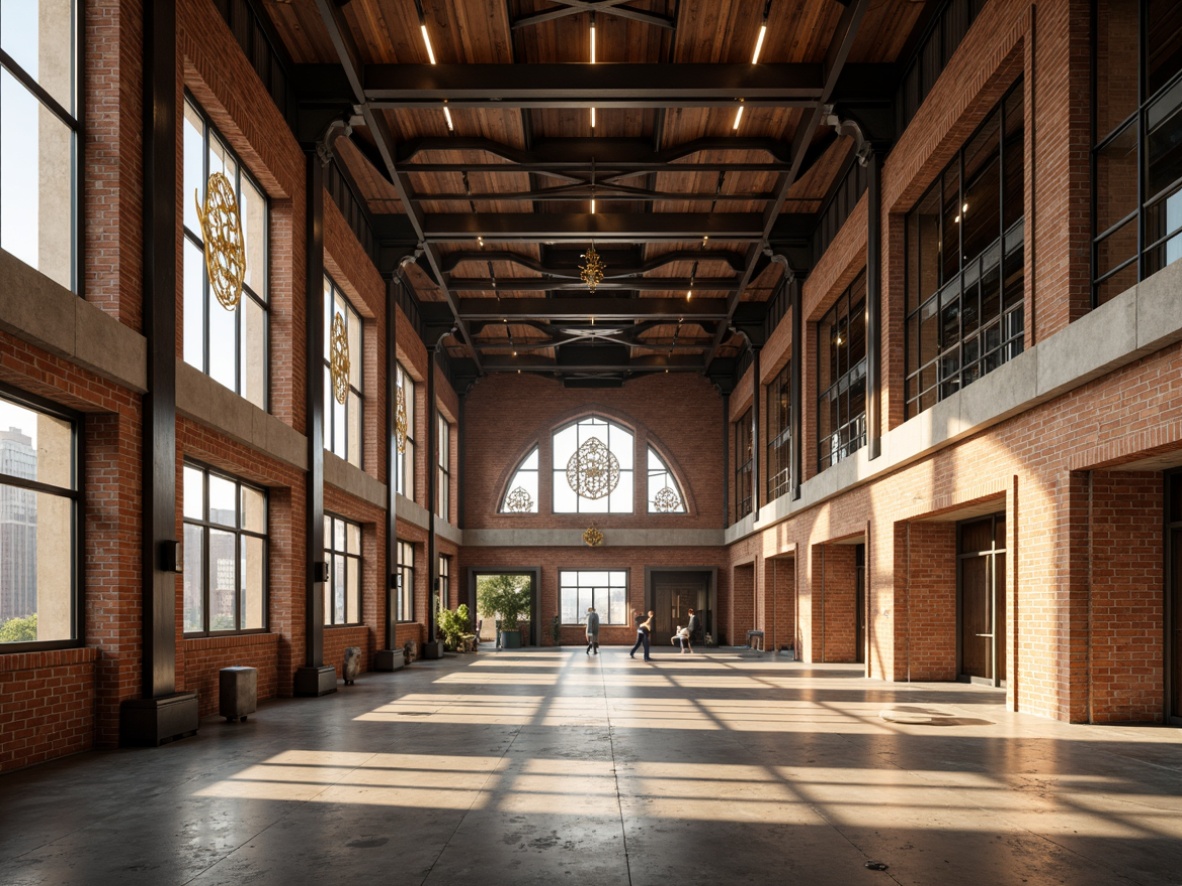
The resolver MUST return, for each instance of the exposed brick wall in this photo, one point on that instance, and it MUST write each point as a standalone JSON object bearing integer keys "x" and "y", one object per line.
{"x": 779, "y": 616}
{"x": 840, "y": 596}
{"x": 46, "y": 705}
{"x": 205, "y": 657}
{"x": 925, "y": 583}
{"x": 740, "y": 613}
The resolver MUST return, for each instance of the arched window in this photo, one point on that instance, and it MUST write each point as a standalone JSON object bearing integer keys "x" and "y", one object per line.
{"x": 664, "y": 495}
{"x": 593, "y": 468}
{"x": 521, "y": 496}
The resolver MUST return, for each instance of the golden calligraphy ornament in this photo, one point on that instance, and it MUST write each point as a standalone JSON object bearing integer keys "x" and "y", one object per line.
{"x": 592, "y": 272}
{"x": 339, "y": 359}
{"x": 400, "y": 421}
{"x": 593, "y": 471}
{"x": 593, "y": 537}
{"x": 519, "y": 501}
{"x": 225, "y": 252}
{"x": 666, "y": 501}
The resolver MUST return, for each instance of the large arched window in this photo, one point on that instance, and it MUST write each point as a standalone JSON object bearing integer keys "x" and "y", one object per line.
{"x": 664, "y": 495}
{"x": 593, "y": 468}
{"x": 521, "y": 496}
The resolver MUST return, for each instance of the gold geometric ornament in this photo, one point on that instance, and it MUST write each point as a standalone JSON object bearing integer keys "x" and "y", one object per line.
{"x": 593, "y": 471}
{"x": 666, "y": 501}
{"x": 593, "y": 538}
{"x": 519, "y": 501}
{"x": 225, "y": 253}
{"x": 400, "y": 423}
{"x": 592, "y": 272}
{"x": 339, "y": 359}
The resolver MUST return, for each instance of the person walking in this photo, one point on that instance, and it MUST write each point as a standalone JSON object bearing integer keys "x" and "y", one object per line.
{"x": 592, "y": 630}
{"x": 643, "y": 630}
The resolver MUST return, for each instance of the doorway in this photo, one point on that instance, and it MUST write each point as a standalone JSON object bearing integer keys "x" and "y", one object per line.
{"x": 672, "y": 593}
{"x": 981, "y": 600}
{"x": 526, "y": 578}
{"x": 1173, "y": 598}
{"x": 860, "y": 604}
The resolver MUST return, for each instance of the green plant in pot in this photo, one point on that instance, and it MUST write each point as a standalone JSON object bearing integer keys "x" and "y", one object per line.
{"x": 505, "y": 597}
{"x": 453, "y": 625}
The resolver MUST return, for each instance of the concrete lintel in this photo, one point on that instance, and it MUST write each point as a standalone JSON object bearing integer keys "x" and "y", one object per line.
{"x": 351, "y": 479}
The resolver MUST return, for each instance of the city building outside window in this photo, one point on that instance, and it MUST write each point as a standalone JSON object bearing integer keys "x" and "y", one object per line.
{"x": 1137, "y": 139}
{"x": 225, "y": 553}
{"x": 605, "y": 589}
{"x": 965, "y": 263}
{"x": 779, "y": 432}
{"x": 404, "y": 462}
{"x": 40, "y": 106}
{"x": 406, "y": 574}
{"x": 39, "y": 510}
{"x": 841, "y": 376}
{"x": 443, "y": 471}
{"x": 228, "y": 345}
{"x": 593, "y": 468}
{"x": 342, "y": 552}
{"x": 744, "y": 462}
{"x": 342, "y": 421}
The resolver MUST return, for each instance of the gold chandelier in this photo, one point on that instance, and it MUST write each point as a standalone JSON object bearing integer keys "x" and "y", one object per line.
{"x": 591, "y": 273}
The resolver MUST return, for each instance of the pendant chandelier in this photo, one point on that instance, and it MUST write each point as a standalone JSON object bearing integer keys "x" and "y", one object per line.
{"x": 591, "y": 273}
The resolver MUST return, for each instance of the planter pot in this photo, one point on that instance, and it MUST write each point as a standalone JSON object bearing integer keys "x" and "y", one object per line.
{"x": 510, "y": 639}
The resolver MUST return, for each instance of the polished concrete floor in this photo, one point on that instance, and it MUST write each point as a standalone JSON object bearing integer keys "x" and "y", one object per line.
{"x": 549, "y": 766}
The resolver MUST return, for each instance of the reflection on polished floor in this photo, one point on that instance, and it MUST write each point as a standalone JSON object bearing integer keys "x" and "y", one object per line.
{"x": 546, "y": 766}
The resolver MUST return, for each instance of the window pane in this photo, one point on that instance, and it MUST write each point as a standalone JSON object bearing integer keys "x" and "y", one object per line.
{"x": 254, "y": 351}
{"x": 36, "y": 183}
{"x": 1164, "y": 141}
{"x": 36, "y": 568}
{"x": 223, "y": 344}
{"x": 1116, "y": 179}
{"x": 254, "y": 510}
{"x": 38, "y": 35}
{"x": 355, "y": 436}
{"x": 194, "y": 577}
{"x": 254, "y": 586}
{"x": 35, "y": 446}
{"x": 338, "y": 589}
{"x": 1014, "y": 149}
{"x": 223, "y": 504}
{"x": 355, "y": 356}
{"x": 1116, "y": 248}
{"x": 222, "y": 567}
{"x": 253, "y": 210}
{"x": 1163, "y": 55}
{"x": 353, "y": 589}
{"x": 194, "y": 492}
{"x": 194, "y": 305}
{"x": 193, "y": 188}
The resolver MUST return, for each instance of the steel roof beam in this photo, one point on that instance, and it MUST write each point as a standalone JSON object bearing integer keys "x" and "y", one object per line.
{"x": 579, "y": 310}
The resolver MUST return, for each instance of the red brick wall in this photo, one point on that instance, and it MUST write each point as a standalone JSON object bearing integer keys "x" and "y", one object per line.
{"x": 839, "y": 595}
{"x": 47, "y": 703}
{"x": 925, "y": 589}
{"x": 740, "y": 613}
{"x": 204, "y": 658}
{"x": 779, "y": 618}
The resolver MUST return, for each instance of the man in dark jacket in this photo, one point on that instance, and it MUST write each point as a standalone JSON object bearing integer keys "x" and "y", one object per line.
{"x": 592, "y": 630}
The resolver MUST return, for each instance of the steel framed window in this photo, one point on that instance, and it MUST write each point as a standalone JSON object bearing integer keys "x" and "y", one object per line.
{"x": 343, "y": 434}
{"x": 40, "y": 124}
{"x": 225, "y": 553}
{"x": 605, "y": 589}
{"x": 404, "y": 462}
{"x": 779, "y": 431}
{"x": 406, "y": 574}
{"x": 443, "y": 471}
{"x": 342, "y": 552}
{"x": 744, "y": 463}
{"x": 841, "y": 376}
{"x": 40, "y": 529}
{"x": 232, "y": 348}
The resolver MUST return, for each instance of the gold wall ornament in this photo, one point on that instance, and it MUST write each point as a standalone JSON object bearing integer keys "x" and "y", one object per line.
{"x": 221, "y": 228}
{"x": 400, "y": 420}
{"x": 666, "y": 501}
{"x": 519, "y": 501}
{"x": 339, "y": 359}
{"x": 593, "y": 537}
{"x": 591, "y": 273}
{"x": 593, "y": 471}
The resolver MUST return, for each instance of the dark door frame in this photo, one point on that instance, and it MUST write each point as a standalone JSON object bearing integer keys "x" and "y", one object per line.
{"x": 711, "y": 589}
{"x": 535, "y": 587}
{"x": 1171, "y": 599}
{"x": 993, "y": 592}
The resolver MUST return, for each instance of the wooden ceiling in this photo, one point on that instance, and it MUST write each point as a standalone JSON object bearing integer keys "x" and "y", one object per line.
{"x": 499, "y": 203}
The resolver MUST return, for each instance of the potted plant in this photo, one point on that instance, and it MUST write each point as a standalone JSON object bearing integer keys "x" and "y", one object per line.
{"x": 453, "y": 625}
{"x": 505, "y": 597}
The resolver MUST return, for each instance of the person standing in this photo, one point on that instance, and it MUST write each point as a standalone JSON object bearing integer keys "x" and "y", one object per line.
{"x": 643, "y": 630}
{"x": 693, "y": 626}
{"x": 592, "y": 630}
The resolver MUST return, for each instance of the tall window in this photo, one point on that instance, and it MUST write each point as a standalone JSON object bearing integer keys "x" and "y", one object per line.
{"x": 404, "y": 462}
{"x": 522, "y": 495}
{"x": 841, "y": 376}
{"x": 225, "y": 553}
{"x": 342, "y": 421}
{"x": 779, "y": 432}
{"x": 444, "y": 583}
{"x": 39, "y": 110}
{"x": 664, "y": 495}
{"x": 230, "y": 346}
{"x": 443, "y": 471}
{"x": 593, "y": 468}
{"x": 342, "y": 591}
{"x": 965, "y": 263}
{"x": 606, "y": 590}
{"x": 38, "y": 525}
{"x": 406, "y": 577}
{"x": 1137, "y": 158}
{"x": 744, "y": 462}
